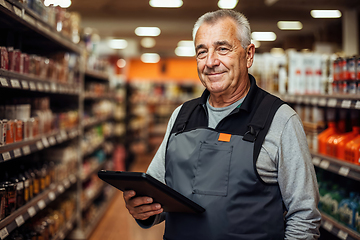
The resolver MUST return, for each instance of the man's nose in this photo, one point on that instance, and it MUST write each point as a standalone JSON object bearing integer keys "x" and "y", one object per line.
{"x": 212, "y": 60}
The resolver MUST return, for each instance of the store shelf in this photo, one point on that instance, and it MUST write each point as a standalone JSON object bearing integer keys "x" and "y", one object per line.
{"x": 66, "y": 229}
{"x": 337, "y": 166}
{"x": 92, "y": 195}
{"x": 19, "y": 81}
{"x": 93, "y": 171}
{"x": 96, "y": 96}
{"x": 95, "y": 121}
{"x": 96, "y": 75}
{"x": 333, "y": 100}
{"x": 35, "y": 205}
{"x": 16, "y": 16}
{"x": 337, "y": 229}
{"x": 18, "y": 149}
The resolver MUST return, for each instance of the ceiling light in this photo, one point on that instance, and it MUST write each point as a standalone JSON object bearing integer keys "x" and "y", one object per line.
{"x": 325, "y": 13}
{"x": 289, "y": 25}
{"x": 186, "y": 43}
{"x": 277, "y": 52}
{"x": 118, "y": 43}
{"x": 166, "y": 3}
{"x": 148, "y": 42}
{"x": 270, "y": 2}
{"x": 147, "y": 31}
{"x": 185, "y": 51}
{"x": 61, "y": 3}
{"x": 150, "y": 57}
{"x": 121, "y": 63}
{"x": 256, "y": 43}
{"x": 263, "y": 36}
{"x": 227, "y": 4}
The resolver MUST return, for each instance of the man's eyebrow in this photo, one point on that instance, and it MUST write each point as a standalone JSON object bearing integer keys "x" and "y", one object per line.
{"x": 199, "y": 46}
{"x": 223, "y": 42}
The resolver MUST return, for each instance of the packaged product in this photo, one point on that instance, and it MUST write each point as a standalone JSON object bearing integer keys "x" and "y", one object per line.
{"x": 11, "y": 56}
{"x": 347, "y": 210}
{"x": 4, "y": 58}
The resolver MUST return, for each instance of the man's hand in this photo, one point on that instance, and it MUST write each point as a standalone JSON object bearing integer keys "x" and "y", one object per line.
{"x": 141, "y": 207}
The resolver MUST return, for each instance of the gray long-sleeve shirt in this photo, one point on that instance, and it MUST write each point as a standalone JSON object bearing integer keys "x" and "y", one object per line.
{"x": 284, "y": 159}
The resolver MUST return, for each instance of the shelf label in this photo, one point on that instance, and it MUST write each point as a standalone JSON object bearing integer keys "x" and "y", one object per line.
{"x": 24, "y": 84}
{"x": 41, "y": 204}
{"x": 59, "y": 139}
{"x": 32, "y": 86}
{"x": 53, "y": 87}
{"x": 344, "y": 171}
{"x": 19, "y": 220}
{"x": 6, "y": 156}
{"x": 47, "y": 87}
{"x": 332, "y": 102}
{"x": 316, "y": 161}
{"x": 39, "y": 145}
{"x": 324, "y": 164}
{"x": 52, "y": 196}
{"x": 45, "y": 142}
{"x": 18, "y": 11}
{"x": 17, "y": 152}
{"x": 40, "y": 87}
{"x": 60, "y": 188}
{"x": 72, "y": 178}
{"x": 342, "y": 235}
{"x": 15, "y": 83}
{"x": 31, "y": 211}
{"x": 29, "y": 19}
{"x": 357, "y": 105}
{"x": 3, "y": 82}
{"x": 328, "y": 226}
{"x": 63, "y": 134}
{"x": 66, "y": 183}
{"x": 307, "y": 100}
{"x": 346, "y": 104}
{"x": 322, "y": 102}
{"x": 26, "y": 150}
{"x": 4, "y": 233}
{"x": 52, "y": 140}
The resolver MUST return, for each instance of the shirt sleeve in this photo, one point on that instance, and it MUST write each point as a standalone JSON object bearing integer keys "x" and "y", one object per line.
{"x": 298, "y": 183}
{"x": 157, "y": 170}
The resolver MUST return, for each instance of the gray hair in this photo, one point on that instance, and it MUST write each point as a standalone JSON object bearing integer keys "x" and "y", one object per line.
{"x": 243, "y": 25}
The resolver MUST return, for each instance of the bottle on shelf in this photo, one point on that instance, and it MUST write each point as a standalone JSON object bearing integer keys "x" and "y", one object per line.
{"x": 322, "y": 137}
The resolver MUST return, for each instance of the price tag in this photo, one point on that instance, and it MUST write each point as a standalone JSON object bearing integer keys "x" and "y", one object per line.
{"x": 17, "y": 152}
{"x": 346, "y": 104}
{"x": 3, "y": 82}
{"x": 24, "y": 84}
{"x": 59, "y": 139}
{"x": 40, "y": 86}
{"x": 18, "y": 11}
{"x": 6, "y": 156}
{"x": 39, "y": 145}
{"x": 41, "y": 204}
{"x": 19, "y": 220}
{"x": 314, "y": 101}
{"x": 342, "y": 235}
{"x": 322, "y": 102}
{"x": 53, "y": 87}
{"x": 357, "y": 105}
{"x": 29, "y": 19}
{"x": 4, "y": 233}
{"x": 63, "y": 134}
{"x": 45, "y": 142}
{"x": 344, "y": 171}
{"x": 66, "y": 183}
{"x": 52, "y": 196}
{"x": 72, "y": 178}
{"x": 60, "y": 188}
{"x": 15, "y": 83}
{"x": 47, "y": 87}
{"x": 324, "y": 164}
{"x": 31, "y": 211}
{"x": 299, "y": 99}
{"x": 32, "y": 86}
{"x": 332, "y": 102}
{"x": 26, "y": 150}
{"x": 306, "y": 100}
{"x": 52, "y": 140}
{"x": 328, "y": 226}
{"x": 316, "y": 161}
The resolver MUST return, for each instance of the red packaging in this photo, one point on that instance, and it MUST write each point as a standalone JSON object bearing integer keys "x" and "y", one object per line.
{"x": 358, "y": 68}
{"x": 18, "y": 130}
{"x": 4, "y": 58}
{"x": 10, "y": 132}
{"x": 11, "y": 55}
{"x": 26, "y": 62}
{"x": 17, "y": 61}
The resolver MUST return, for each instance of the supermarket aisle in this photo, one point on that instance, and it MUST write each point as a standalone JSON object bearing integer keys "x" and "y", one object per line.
{"x": 117, "y": 224}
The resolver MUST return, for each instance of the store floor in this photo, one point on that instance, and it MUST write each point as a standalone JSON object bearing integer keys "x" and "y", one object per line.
{"x": 117, "y": 223}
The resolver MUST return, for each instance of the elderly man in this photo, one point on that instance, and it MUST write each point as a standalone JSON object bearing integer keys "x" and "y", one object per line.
{"x": 237, "y": 151}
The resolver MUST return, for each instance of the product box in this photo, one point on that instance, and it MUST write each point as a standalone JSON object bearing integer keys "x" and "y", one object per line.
{"x": 4, "y": 58}
{"x": 11, "y": 54}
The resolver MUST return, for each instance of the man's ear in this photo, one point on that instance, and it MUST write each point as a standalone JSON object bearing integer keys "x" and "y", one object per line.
{"x": 250, "y": 52}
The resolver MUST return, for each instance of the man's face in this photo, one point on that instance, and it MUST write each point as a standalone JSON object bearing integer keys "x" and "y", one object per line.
{"x": 221, "y": 61}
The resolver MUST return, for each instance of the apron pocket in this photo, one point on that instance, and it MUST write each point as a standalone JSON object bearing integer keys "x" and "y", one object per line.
{"x": 212, "y": 171}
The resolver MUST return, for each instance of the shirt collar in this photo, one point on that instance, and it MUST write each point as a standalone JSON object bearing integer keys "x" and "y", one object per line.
{"x": 249, "y": 98}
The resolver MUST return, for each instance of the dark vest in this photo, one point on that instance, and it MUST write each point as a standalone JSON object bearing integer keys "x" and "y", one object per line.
{"x": 216, "y": 168}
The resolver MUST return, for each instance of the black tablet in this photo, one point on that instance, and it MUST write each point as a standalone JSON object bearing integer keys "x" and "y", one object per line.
{"x": 145, "y": 185}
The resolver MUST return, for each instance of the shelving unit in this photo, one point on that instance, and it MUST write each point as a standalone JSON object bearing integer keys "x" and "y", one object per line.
{"x": 328, "y": 163}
